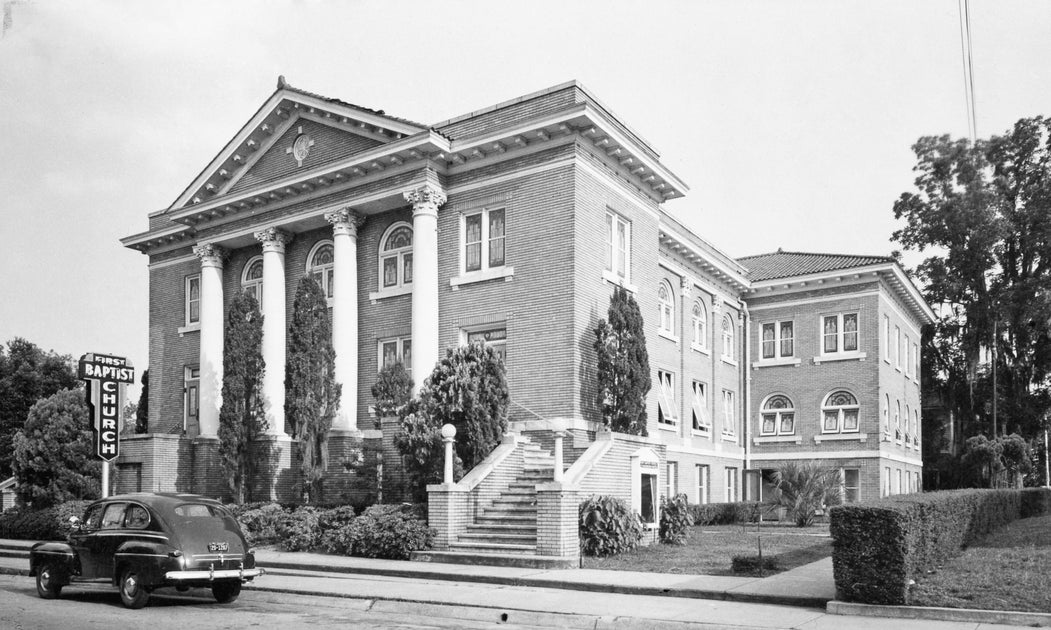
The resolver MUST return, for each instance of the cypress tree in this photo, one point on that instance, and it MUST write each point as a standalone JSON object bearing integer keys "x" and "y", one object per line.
{"x": 142, "y": 412}
{"x": 623, "y": 369}
{"x": 242, "y": 417}
{"x": 311, "y": 392}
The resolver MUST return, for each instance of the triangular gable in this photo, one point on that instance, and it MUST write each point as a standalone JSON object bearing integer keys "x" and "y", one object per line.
{"x": 319, "y": 144}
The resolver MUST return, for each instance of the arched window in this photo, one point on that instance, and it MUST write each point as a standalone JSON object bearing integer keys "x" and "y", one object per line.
{"x": 728, "y": 338}
{"x": 320, "y": 266}
{"x": 700, "y": 325}
{"x": 252, "y": 279}
{"x": 916, "y": 427}
{"x": 779, "y": 417}
{"x": 839, "y": 413}
{"x": 667, "y": 308}
{"x": 897, "y": 419}
{"x": 908, "y": 423}
{"x": 396, "y": 256}
{"x": 886, "y": 414}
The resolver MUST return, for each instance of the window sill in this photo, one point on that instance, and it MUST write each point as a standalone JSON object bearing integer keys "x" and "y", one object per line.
{"x": 664, "y": 426}
{"x": 470, "y": 277}
{"x": 843, "y": 356}
{"x": 182, "y": 330}
{"x": 613, "y": 278}
{"x": 697, "y": 348}
{"x": 769, "y": 439}
{"x": 729, "y": 361}
{"x": 667, "y": 335}
{"x": 776, "y": 362}
{"x": 698, "y": 433}
{"x": 729, "y": 437}
{"x": 389, "y": 293}
{"x": 837, "y": 437}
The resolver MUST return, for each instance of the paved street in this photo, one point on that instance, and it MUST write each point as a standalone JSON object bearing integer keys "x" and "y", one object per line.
{"x": 99, "y": 607}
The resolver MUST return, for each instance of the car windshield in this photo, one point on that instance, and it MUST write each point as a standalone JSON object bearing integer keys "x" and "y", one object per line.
{"x": 199, "y": 510}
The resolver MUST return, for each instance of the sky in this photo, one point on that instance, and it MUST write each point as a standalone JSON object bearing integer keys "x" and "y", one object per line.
{"x": 790, "y": 121}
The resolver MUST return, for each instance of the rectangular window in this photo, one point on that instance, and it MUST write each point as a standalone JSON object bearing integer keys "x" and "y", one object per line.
{"x": 850, "y": 487}
{"x": 916, "y": 360}
{"x": 667, "y": 411}
{"x": 839, "y": 333}
{"x": 918, "y": 484}
{"x": 704, "y": 487}
{"x": 618, "y": 246}
{"x": 672, "y": 483}
{"x": 396, "y": 349}
{"x": 897, "y": 481}
{"x": 897, "y": 347}
{"x": 484, "y": 236}
{"x": 731, "y": 484}
{"x": 886, "y": 480}
{"x": 495, "y": 337}
{"x": 908, "y": 356}
{"x": 778, "y": 340}
{"x": 886, "y": 338}
{"x": 193, "y": 299}
{"x": 701, "y": 421}
{"x": 729, "y": 414}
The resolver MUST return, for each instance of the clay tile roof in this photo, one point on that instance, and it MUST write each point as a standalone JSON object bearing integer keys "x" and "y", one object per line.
{"x": 782, "y": 264}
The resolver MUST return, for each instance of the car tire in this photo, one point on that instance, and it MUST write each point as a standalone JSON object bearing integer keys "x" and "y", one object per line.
{"x": 226, "y": 592}
{"x": 47, "y": 583}
{"x": 132, "y": 592}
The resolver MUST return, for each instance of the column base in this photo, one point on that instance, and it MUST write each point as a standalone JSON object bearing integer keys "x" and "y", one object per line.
{"x": 277, "y": 476}
{"x": 353, "y": 471}
{"x": 208, "y": 477}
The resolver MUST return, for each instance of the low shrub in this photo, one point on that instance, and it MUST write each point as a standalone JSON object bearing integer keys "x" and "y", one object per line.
{"x": 333, "y": 529}
{"x": 260, "y": 522}
{"x": 880, "y": 546}
{"x": 386, "y": 531}
{"x": 1035, "y": 502}
{"x": 64, "y": 511}
{"x": 749, "y": 565}
{"x": 608, "y": 526}
{"x": 299, "y": 530}
{"x": 675, "y": 520}
{"x": 725, "y": 513}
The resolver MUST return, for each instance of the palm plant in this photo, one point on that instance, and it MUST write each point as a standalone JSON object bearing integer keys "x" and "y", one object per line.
{"x": 803, "y": 489}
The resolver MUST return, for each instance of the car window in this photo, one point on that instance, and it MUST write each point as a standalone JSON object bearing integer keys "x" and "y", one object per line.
{"x": 92, "y": 517}
{"x": 198, "y": 510}
{"x": 137, "y": 517}
{"x": 113, "y": 516}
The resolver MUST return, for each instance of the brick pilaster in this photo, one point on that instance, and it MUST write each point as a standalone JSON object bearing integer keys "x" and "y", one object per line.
{"x": 557, "y": 520}
{"x": 447, "y": 512}
{"x": 208, "y": 478}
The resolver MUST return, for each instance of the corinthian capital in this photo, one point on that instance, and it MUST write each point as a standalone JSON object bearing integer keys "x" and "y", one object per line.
{"x": 211, "y": 255}
{"x": 425, "y": 199}
{"x": 345, "y": 221}
{"x": 273, "y": 239}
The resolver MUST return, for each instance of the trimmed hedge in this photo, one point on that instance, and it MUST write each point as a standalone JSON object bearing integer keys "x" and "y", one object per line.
{"x": 725, "y": 513}
{"x": 1036, "y": 502}
{"x": 51, "y": 523}
{"x": 879, "y": 547}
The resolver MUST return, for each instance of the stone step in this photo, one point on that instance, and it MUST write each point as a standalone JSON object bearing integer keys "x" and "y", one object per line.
{"x": 520, "y": 489}
{"x": 498, "y": 539}
{"x": 500, "y": 529}
{"x": 524, "y": 561}
{"x": 512, "y": 508}
{"x": 504, "y": 499}
{"x": 493, "y": 547}
{"x": 517, "y": 519}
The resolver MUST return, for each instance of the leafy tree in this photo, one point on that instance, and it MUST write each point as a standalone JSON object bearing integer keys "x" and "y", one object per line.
{"x": 982, "y": 214}
{"x": 468, "y": 390}
{"x": 623, "y": 365}
{"x": 312, "y": 394}
{"x": 27, "y": 374}
{"x": 998, "y": 463}
{"x": 55, "y": 452}
{"x": 241, "y": 417}
{"x": 803, "y": 489}
{"x": 142, "y": 414}
{"x": 419, "y": 440}
{"x": 392, "y": 391}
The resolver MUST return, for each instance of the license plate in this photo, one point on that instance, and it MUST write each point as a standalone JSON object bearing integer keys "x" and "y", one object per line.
{"x": 219, "y": 546}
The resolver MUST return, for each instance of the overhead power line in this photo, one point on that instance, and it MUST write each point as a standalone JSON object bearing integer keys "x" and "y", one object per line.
{"x": 968, "y": 67}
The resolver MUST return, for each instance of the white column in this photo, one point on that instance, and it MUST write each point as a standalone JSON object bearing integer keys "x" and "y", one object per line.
{"x": 425, "y": 201}
{"x": 274, "y": 241}
{"x": 211, "y": 356}
{"x": 345, "y": 314}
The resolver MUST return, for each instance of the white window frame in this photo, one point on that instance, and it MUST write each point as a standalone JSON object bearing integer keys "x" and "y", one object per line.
{"x": 321, "y": 270}
{"x": 616, "y": 257}
{"x": 702, "y": 421}
{"x": 886, "y": 481}
{"x": 703, "y": 477}
{"x": 699, "y": 323}
{"x": 731, "y": 484}
{"x": 840, "y": 334}
{"x": 844, "y": 487}
{"x": 897, "y": 421}
{"x": 908, "y": 356}
{"x": 841, "y": 412}
{"x": 886, "y": 415}
{"x": 666, "y": 406}
{"x": 916, "y": 360}
{"x": 671, "y": 483}
{"x": 666, "y": 317}
{"x": 897, "y": 481}
{"x": 188, "y": 301}
{"x": 897, "y": 348}
{"x": 499, "y": 344}
{"x": 886, "y": 338}
{"x": 729, "y": 334}
{"x": 729, "y": 428}
{"x": 908, "y": 424}
{"x": 399, "y": 351}
{"x": 254, "y": 285}
{"x": 916, "y": 428}
{"x": 777, "y": 413}
{"x": 399, "y": 254}
{"x": 486, "y": 269}
{"x": 778, "y": 340}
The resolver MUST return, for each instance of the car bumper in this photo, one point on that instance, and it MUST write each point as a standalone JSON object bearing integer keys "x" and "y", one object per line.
{"x": 211, "y": 575}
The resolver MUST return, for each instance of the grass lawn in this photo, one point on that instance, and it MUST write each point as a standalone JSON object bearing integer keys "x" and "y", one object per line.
{"x": 1009, "y": 570}
{"x": 709, "y": 550}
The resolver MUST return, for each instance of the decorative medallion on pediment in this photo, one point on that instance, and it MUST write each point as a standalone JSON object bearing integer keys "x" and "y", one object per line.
{"x": 300, "y": 148}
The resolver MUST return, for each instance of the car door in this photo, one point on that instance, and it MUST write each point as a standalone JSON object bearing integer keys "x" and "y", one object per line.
{"x": 103, "y": 542}
{"x": 79, "y": 537}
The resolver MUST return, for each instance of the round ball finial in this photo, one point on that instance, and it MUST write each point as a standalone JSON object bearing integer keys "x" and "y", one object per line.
{"x": 448, "y": 431}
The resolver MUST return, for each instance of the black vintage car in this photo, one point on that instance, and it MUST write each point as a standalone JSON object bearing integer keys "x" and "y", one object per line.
{"x": 140, "y": 542}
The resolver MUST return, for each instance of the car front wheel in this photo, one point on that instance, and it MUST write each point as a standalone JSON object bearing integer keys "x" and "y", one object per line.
{"x": 226, "y": 592}
{"x": 47, "y": 584}
{"x": 132, "y": 592}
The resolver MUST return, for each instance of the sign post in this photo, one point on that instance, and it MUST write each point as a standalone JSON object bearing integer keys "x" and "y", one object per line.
{"x": 107, "y": 377}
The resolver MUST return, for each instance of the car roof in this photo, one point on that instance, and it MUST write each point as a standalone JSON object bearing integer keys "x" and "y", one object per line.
{"x": 165, "y": 501}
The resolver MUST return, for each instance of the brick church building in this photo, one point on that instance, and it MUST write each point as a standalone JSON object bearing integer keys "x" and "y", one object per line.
{"x": 511, "y": 225}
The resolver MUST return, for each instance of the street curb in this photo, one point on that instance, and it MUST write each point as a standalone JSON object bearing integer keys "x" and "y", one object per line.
{"x": 13, "y": 571}
{"x": 970, "y": 615}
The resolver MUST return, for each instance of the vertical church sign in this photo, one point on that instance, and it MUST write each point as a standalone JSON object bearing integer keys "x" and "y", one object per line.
{"x": 107, "y": 377}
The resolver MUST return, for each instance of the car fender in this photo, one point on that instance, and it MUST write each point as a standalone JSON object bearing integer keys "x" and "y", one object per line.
{"x": 59, "y": 554}
{"x": 150, "y": 559}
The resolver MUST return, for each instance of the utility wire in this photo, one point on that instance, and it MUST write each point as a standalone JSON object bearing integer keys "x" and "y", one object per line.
{"x": 968, "y": 67}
